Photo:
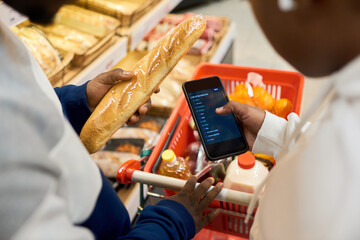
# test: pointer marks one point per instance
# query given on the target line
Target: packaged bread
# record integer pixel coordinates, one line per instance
(69, 39)
(124, 98)
(45, 53)
(114, 8)
(86, 21)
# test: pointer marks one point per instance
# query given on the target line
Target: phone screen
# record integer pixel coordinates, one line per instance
(221, 134)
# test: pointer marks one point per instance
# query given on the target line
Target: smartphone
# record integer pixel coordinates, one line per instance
(221, 135)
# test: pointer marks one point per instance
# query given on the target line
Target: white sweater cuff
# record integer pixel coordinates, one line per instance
(271, 136)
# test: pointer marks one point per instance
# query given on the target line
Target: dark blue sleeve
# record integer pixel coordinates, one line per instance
(167, 220)
(110, 219)
(74, 104)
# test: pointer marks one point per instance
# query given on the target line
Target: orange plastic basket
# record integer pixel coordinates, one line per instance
(177, 133)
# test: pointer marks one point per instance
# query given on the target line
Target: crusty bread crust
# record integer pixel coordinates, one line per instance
(124, 98)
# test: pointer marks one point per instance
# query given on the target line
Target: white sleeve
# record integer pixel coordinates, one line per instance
(274, 133)
(32, 205)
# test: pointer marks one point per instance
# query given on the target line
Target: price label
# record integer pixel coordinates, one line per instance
(9, 16)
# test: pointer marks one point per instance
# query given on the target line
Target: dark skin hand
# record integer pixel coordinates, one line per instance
(99, 86)
(197, 200)
(251, 118)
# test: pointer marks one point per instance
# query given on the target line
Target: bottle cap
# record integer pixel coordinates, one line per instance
(246, 160)
(168, 155)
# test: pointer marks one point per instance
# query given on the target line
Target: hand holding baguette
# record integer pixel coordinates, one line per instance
(124, 98)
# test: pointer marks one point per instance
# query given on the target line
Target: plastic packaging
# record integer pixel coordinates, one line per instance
(44, 52)
(245, 173)
(69, 39)
(86, 21)
(173, 166)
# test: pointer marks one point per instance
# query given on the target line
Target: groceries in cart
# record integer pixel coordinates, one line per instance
(174, 166)
(242, 173)
(253, 92)
(245, 173)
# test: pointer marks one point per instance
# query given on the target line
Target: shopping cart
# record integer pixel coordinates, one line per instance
(177, 134)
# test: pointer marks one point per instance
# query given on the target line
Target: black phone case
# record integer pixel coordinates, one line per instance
(198, 127)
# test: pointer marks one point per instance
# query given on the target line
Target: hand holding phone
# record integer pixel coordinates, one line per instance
(251, 118)
(221, 135)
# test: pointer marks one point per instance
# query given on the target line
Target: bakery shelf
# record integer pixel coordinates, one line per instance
(147, 22)
(103, 63)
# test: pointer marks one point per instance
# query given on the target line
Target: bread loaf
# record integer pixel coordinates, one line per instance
(124, 98)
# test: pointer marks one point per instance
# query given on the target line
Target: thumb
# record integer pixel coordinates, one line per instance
(115, 76)
(232, 106)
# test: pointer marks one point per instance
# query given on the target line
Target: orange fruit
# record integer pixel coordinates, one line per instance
(265, 101)
(241, 91)
(258, 91)
(283, 107)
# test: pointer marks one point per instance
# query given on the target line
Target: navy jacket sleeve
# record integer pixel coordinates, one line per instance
(167, 220)
(74, 104)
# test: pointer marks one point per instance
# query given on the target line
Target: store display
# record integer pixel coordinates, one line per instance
(127, 11)
(86, 21)
(69, 39)
(245, 173)
(116, 107)
(174, 166)
(164, 102)
(201, 47)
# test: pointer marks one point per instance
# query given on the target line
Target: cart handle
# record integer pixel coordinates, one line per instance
(130, 172)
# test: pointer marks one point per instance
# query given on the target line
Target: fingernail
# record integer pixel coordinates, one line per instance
(126, 73)
(219, 186)
(220, 108)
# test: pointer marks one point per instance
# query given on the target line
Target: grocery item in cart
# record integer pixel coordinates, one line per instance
(45, 53)
(253, 92)
(282, 107)
(174, 166)
(125, 98)
(69, 39)
(86, 21)
(245, 173)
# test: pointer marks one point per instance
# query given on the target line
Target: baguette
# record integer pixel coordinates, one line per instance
(124, 98)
